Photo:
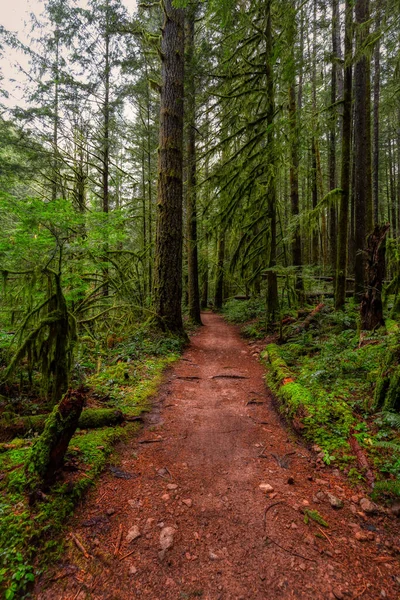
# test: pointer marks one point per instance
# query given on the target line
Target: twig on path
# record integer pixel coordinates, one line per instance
(253, 401)
(262, 455)
(290, 551)
(150, 441)
(77, 593)
(79, 545)
(119, 539)
(102, 497)
(360, 593)
(268, 508)
(324, 534)
(268, 537)
(126, 555)
(284, 464)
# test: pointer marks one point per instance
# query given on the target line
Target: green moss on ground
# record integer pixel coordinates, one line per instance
(328, 382)
(125, 386)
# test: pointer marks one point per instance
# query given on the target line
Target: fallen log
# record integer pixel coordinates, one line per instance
(91, 418)
(313, 295)
(308, 320)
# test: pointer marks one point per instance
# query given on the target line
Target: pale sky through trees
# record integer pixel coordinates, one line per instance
(15, 17)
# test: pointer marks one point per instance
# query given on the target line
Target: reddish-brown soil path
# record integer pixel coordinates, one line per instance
(215, 438)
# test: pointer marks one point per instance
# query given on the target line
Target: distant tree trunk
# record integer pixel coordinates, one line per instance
(341, 268)
(371, 305)
(314, 172)
(392, 189)
(219, 281)
(167, 288)
(272, 280)
(362, 145)
(106, 141)
(294, 163)
(191, 226)
(56, 165)
(204, 279)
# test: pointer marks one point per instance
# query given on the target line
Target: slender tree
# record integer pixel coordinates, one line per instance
(342, 246)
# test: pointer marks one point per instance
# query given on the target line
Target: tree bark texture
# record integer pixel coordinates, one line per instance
(219, 281)
(362, 144)
(371, 305)
(272, 280)
(167, 290)
(342, 245)
(191, 225)
(294, 162)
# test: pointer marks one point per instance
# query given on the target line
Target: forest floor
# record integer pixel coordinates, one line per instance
(201, 525)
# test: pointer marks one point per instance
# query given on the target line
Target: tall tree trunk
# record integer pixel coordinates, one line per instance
(56, 165)
(377, 83)
(272, 280)
(191, 225)
(314, 172)
(341, 268)
(106, 141)
(362, 145)
(332, 133)
(167, 290)
(294, 162)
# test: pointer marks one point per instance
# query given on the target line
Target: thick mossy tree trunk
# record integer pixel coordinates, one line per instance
(272, 279)
(362, 145)
(167, 290)
(191, 227)
(371, 305)
(47, 454)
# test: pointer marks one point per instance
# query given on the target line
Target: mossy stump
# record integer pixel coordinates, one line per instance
(48, 452)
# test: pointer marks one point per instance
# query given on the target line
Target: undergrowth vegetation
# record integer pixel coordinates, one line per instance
(121, 375)
(327, 378)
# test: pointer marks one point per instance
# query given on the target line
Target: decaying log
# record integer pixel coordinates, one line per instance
(308, 320)
(91, 418)
(48, 452)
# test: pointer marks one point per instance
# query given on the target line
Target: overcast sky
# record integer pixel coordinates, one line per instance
(15, 17)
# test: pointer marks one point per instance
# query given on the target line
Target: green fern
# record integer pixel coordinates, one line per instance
(395, 447)
(392, 419)
(387, 487)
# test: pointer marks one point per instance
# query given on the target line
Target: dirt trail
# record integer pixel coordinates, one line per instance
(201, 475)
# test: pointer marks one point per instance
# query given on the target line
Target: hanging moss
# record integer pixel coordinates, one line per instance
(50, 344)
